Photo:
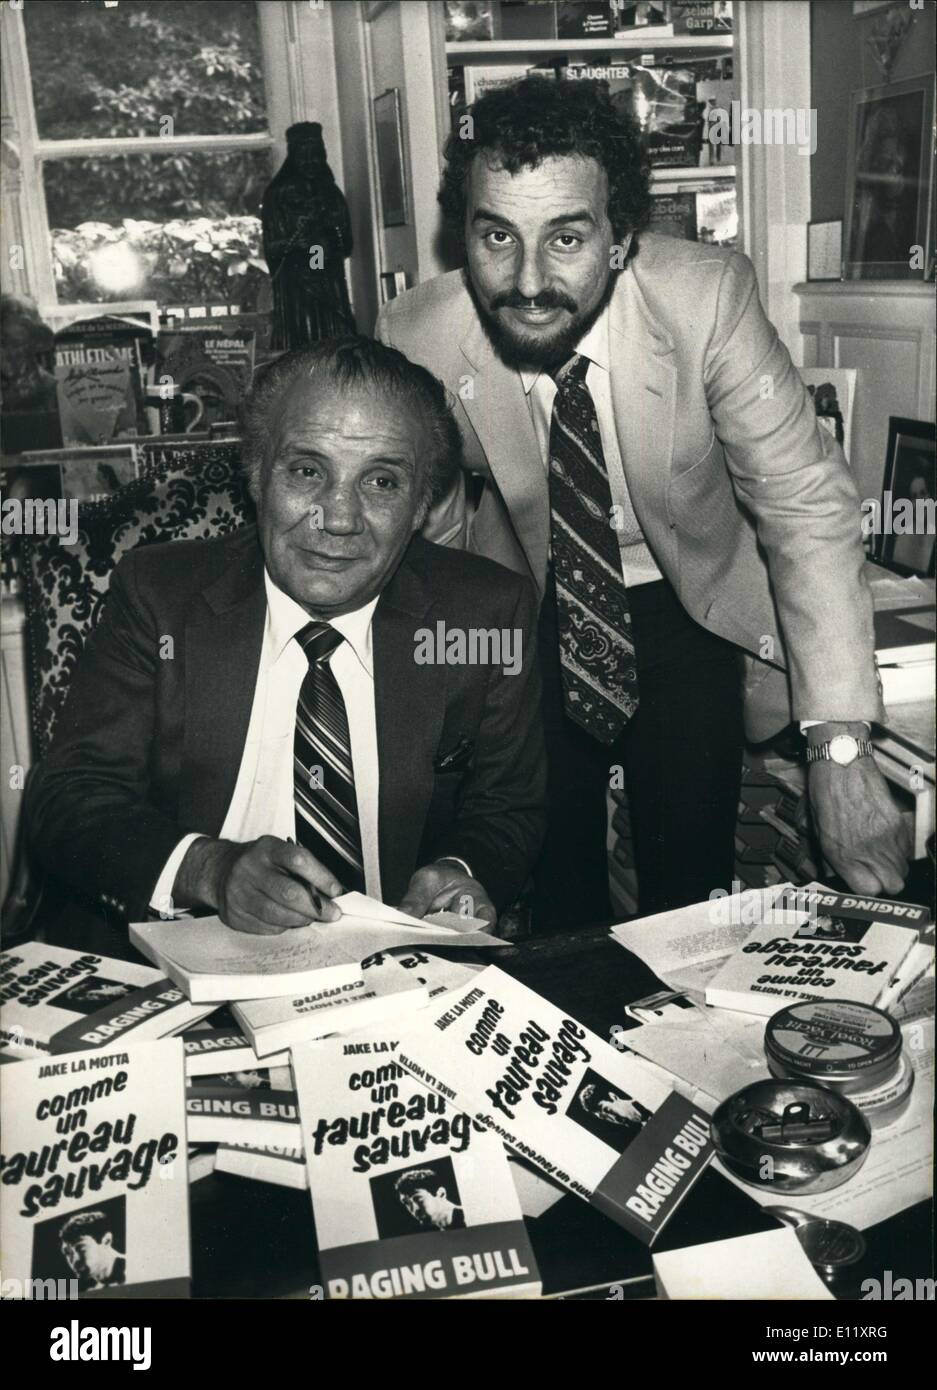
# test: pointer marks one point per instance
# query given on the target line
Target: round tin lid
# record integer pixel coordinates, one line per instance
(833, 1039)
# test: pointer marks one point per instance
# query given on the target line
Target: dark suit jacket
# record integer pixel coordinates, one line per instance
(149, 743)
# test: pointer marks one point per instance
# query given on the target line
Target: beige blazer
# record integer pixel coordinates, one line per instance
(747, 504)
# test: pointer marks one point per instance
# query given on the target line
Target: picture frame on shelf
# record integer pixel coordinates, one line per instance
(889, 178)
(388, 142)
(910, 476)
(825, 250)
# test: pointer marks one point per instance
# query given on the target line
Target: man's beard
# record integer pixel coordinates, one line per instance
(540, 352)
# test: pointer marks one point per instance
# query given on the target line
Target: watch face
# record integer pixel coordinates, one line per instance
(843, 749)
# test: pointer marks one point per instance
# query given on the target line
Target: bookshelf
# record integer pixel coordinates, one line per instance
(705, 217)
(639, 43)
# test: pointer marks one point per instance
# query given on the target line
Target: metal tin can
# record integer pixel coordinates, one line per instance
(851, 1048)
(790, 1136)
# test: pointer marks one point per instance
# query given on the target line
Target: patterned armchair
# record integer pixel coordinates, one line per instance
(185, 491)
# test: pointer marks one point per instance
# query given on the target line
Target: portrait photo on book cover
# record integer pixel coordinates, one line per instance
(244, 1080)
(88, 1245)
(606, 1111)
(825, 928)
(93, 993)
(421, 1197)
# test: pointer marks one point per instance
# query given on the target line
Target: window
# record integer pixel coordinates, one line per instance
(145, 147)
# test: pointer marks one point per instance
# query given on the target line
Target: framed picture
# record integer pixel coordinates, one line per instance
(905, 537)
(388, 138)
(888, 181)
(825, 250)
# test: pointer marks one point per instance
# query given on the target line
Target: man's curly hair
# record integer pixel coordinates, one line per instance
(519, 126)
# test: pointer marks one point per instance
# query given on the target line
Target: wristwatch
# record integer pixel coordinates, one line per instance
(843, 749)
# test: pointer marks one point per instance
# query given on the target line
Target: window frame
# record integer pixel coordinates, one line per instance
(25, 221)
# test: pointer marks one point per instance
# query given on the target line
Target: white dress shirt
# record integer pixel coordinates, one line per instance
(637, 563)
(262, 803)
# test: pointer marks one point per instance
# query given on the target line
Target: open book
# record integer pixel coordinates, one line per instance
(212, 963)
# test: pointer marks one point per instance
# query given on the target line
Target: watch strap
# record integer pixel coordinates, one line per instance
(821, 752)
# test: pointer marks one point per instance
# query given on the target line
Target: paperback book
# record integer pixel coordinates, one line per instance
(587, 1114)
(411, 1198)
(56, 1000)
(212, 1051)
(280, 1167)
(274, 1024)
(817, 944)
(243, 1107)
(99, 367)
(94, 1194)
(215, 964)
(669, 115)
(701, 16)
(216, 364)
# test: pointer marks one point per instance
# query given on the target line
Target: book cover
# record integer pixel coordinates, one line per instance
(701, 16)
(527, 19)
(406, 967)
(615, 76)
(651, 16)
(665, 107)
(674, 214)
(587, 1114)
(815, 944)
(214, 363)
(95, 1193)
(411, 1198)
(56, 1000)
(200, 1161)
(98, 370)
(212, 1051)
(584, 19)
(481, 79)
(280, 1167)
(256, 1107)
(717, 215)
(273, 1024)
(467, 21)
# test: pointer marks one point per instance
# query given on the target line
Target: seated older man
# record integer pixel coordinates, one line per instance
(322, 702)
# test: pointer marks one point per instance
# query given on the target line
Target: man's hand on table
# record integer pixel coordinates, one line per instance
(863, 835)
(446, 887)
(264, 887)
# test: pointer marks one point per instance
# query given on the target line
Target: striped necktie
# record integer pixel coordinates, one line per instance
(323, 776)
(597, 661)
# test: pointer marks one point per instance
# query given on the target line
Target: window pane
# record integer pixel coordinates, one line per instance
(145, 67)
(177, 228)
